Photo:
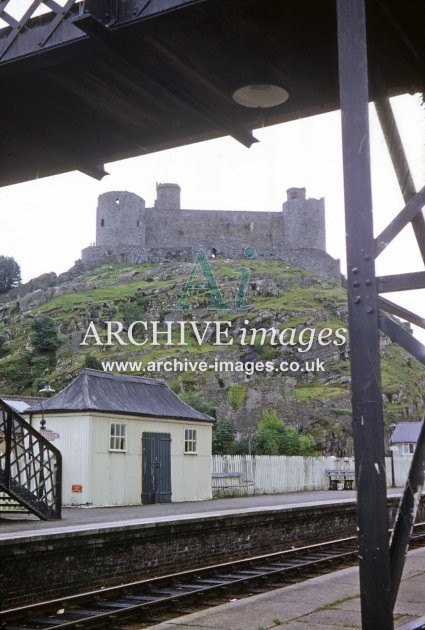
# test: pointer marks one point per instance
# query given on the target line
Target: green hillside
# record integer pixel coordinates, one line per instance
(278, 297)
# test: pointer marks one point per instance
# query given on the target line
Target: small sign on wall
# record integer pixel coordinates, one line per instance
(77, 487)
(49, 435)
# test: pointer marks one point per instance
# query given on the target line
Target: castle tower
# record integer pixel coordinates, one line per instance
(167, 197)
(303, 221)
(120, 219)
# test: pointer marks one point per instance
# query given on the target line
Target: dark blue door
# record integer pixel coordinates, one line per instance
(156, 468)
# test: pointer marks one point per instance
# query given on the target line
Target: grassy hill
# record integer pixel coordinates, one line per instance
(278, 296)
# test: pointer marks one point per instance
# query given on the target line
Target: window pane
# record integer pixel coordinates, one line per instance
(190, 440)
(117, 437)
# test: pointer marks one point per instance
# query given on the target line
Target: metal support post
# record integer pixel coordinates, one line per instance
(368, 430)
(406, 514)
(392, 468)
(401, 165)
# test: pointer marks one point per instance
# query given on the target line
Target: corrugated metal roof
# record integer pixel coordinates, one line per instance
(94, 390)
(19, 403)
(406, 432)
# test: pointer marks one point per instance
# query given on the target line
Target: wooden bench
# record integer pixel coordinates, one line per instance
(229, 483)
(337, 477)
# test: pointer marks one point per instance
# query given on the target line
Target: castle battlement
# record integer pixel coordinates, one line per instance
(128, 231)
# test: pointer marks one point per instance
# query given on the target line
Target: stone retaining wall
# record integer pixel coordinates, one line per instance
(45, 566)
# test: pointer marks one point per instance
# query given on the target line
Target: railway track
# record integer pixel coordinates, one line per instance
(157, 599)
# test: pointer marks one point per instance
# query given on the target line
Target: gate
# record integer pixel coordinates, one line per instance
(156, 468)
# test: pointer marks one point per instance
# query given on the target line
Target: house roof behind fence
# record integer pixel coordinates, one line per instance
(19, 403)
(406, 432)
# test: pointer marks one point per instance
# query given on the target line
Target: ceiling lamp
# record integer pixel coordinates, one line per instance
(260, 95)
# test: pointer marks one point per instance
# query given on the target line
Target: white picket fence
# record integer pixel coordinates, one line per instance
(238, 475)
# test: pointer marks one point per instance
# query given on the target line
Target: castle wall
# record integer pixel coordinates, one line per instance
(128, 232)
(99, 255)
(120, 219)
(167, 196)
(304, 221)
(314, 260)
(220, 232)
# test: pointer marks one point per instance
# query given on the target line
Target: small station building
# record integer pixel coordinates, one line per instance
(404, 438)
(126, 440)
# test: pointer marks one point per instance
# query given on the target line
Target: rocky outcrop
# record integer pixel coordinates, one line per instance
(278, 296)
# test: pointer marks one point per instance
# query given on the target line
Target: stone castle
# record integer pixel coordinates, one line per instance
(128, 231)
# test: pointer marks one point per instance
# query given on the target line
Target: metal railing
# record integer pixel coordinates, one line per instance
(16, 19)
(30, 466)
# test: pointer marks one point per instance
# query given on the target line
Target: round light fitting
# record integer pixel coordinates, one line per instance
(260, 95)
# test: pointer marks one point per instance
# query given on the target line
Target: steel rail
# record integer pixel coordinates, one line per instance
(98, 608)
(155, 591)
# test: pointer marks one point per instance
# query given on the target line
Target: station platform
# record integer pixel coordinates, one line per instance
(328, 602)
(86, 518)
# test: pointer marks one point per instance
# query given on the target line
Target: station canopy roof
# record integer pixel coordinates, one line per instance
(92, 82)
(98, 391)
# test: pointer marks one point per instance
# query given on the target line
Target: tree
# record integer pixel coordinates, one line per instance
(18, 373)
(223, 437)
(274, 438)
(3, 340)
(90, 361)
(307, 444)
(270, 434)
(10, 274)
(192, 399)
(133, 311)
(45, 338)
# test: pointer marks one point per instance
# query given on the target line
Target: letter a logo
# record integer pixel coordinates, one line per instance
(210, 285)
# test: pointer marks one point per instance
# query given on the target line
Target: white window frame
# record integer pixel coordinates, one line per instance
(118, 437)
(405, 449)
(190, 441)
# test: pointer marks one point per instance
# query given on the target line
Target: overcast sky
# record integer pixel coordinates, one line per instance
(45, 223)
